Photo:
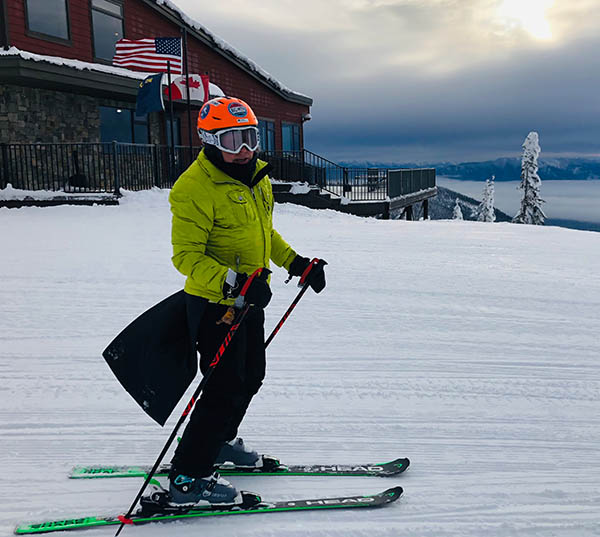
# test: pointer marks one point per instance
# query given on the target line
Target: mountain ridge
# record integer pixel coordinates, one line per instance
(504, 169)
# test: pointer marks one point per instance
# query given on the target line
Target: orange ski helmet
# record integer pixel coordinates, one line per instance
(225, 113)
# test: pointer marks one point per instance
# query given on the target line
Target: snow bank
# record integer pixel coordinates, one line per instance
(11, 193)
(300, 188)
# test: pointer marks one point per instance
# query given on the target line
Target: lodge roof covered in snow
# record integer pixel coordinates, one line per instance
(20, 68)
(49, 71)
(200, 32)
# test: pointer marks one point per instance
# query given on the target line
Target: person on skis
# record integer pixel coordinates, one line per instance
(222, 232)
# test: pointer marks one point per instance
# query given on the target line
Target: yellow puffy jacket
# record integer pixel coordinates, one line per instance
(220, 223)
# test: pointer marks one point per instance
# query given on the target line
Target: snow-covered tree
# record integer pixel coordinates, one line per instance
(485, 211)
(531, 205)
(457, 213)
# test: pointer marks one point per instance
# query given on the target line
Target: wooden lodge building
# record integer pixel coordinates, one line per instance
(57, 82)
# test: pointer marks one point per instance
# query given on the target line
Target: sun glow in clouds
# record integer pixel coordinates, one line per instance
(529, 15)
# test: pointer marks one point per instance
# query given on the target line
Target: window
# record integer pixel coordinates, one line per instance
(48, 17)
(121, 125)
(3, 25)
(107, 27)
(115, 125)
(140, 130)
(176, 131)
(266, 131)
(290, 136)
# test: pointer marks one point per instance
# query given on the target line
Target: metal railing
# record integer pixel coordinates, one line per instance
(91, 167)
(108, 167)
(356, 184)
(410, 181)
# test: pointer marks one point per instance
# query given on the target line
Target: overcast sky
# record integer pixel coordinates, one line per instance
(427, 80)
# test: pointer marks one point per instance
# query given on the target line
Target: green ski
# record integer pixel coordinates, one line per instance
(271, 466)
(141, 517)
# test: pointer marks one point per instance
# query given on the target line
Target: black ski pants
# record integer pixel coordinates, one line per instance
(227, 394)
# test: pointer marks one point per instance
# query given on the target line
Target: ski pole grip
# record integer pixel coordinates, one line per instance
(315, 262)
(261, 273)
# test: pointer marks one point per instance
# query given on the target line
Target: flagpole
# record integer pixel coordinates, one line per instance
(187, 85)
(172, 146)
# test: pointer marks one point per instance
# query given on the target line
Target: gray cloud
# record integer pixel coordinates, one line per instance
(482, 112)
(425, 80)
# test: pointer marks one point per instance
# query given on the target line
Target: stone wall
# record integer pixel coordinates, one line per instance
(32, 115)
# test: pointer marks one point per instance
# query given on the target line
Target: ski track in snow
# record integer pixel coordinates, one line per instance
(470, 348)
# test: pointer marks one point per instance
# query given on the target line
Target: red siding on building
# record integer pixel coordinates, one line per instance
(142, 20)
(80, 47)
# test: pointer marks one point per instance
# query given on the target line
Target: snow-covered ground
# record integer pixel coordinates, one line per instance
(471, 348)
(569, 200)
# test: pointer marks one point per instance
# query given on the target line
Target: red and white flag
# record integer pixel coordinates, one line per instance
(150, 54)
(198, 84)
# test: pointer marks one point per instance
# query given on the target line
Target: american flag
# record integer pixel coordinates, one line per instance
(150, 54)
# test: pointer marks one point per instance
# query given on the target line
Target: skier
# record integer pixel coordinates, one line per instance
(222, 232)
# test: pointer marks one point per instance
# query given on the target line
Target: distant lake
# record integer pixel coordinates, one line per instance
(574, 204)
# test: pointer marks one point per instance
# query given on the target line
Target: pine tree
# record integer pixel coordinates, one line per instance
(531, 205)
(485, 211)
(457, 213)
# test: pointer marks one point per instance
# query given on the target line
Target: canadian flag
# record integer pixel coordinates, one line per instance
(198, 84)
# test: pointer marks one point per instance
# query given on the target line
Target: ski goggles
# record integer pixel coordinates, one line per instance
(232, 140)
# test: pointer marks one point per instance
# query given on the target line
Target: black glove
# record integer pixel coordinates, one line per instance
(316, 276)
(258, 293)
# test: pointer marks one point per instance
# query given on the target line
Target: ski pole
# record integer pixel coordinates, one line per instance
(234, 327)
(304, 285)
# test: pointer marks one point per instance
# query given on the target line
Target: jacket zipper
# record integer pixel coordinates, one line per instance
(262, 227)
